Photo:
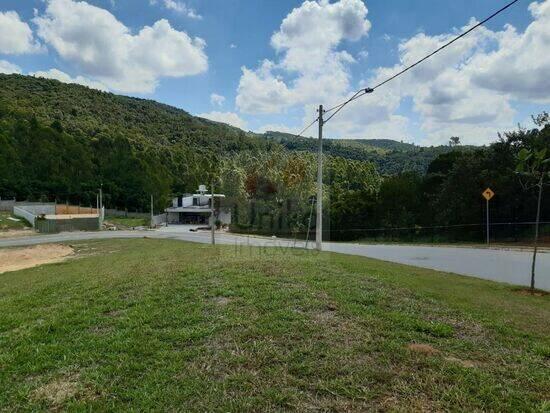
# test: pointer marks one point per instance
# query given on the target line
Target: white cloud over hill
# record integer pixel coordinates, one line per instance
(102, 48)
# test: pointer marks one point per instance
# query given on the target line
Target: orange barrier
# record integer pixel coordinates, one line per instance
(64, 209)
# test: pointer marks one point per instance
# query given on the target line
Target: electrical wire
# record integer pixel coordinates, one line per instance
(306, 128)
(363, 92)
(471, 29)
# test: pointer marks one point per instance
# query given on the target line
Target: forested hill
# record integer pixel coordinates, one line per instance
(91, 112)
(390, 157)
(87, 112)
(64, 141)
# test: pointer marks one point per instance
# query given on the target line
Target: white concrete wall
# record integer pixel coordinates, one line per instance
(38, 209)
(21, 213)
(7, 204)
(158, 219)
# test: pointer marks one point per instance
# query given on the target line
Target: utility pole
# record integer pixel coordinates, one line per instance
(152, 214)
(101, 206)
(212, 219)
(319, 226)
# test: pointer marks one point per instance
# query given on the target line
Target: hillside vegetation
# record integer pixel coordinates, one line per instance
(64, 142)
(59, 140)
(390, 157)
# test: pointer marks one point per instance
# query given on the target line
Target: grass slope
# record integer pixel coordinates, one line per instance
(163, 325)
(128, 222)
(7, 224)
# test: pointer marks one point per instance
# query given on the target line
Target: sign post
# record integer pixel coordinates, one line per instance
(488, 194)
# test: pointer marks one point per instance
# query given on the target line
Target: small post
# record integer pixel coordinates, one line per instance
(487, 222)
(212, 219)
(488, 194)
(152, 214)
(101, 206)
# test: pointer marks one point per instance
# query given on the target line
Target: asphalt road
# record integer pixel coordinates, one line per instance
(510, 266)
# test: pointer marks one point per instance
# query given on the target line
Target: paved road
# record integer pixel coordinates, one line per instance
(511, 266)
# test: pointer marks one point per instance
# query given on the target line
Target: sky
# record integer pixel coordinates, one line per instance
(267, 64)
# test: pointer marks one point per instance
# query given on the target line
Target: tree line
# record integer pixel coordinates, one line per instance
(63, 142)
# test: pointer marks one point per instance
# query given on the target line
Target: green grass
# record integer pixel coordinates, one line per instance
(169, 326)
(7, 224)
(128, 222)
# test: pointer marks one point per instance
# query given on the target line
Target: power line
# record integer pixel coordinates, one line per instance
(307, 127)
(471, 29)
(365, 91)
(356, 96)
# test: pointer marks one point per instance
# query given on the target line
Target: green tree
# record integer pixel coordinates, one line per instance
(533, 163)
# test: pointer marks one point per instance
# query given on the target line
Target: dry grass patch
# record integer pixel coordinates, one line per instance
(60, 390)
(422, 349)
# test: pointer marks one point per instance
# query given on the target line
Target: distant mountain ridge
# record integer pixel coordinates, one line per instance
(382, 145)
(391, 157)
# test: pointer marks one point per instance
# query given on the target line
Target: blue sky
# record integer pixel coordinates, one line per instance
(269, 63)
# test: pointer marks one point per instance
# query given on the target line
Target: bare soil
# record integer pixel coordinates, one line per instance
(13, 259)
(422, 348)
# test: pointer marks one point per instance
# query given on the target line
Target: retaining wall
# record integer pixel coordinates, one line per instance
(37, 208)
(7, 205)
(53, 225)
(22, 213)
(158, 220)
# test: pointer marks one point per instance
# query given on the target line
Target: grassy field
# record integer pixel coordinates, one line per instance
(125, 222)
(7, 224)
(170, 326)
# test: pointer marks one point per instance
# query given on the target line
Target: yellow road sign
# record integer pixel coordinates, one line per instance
(488, 194)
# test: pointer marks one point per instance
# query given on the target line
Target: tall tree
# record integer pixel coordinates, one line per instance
(534, 164)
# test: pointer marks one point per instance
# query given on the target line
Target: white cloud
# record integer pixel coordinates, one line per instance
(469, 89)
(217, 100)
(442, 91)
(16, 36)
(104, 49)
(8, 68)
(520, 66)
(232, 46)
(260, 91)
(307, 42)
(178, 6)
(363, 55)
(225, 117)
(65, 78)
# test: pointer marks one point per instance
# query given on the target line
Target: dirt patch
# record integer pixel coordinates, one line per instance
(464, 363)
(422, 348)
(58, 391)
(113, 313)
(13, 259)
(221, 301)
